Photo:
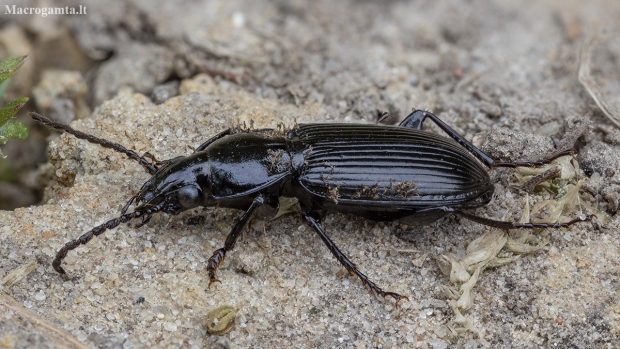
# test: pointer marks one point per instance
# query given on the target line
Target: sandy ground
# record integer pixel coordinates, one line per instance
(503, 75)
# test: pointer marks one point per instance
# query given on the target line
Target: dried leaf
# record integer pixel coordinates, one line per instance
(19, 273)
(585, 78)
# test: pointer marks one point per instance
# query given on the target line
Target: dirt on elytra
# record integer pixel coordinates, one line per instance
(503, 75)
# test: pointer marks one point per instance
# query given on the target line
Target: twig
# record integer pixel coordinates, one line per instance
(586, 80)
(529, 186)
(56, 337)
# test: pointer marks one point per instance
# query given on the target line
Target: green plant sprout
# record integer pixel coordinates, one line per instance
(10, 128)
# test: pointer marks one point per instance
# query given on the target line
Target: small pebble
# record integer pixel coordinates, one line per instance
(40, 296)
(170, 326)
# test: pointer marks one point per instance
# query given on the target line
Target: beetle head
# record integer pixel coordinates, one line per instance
(179, 185)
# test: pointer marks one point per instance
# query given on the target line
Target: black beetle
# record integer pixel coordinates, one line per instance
(383, 173)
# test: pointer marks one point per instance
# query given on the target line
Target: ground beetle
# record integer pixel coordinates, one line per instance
(380, 172)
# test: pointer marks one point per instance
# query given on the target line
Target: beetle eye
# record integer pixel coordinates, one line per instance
(189, 197)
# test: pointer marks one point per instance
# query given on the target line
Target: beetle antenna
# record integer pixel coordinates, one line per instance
(150, 168)
(98, 230)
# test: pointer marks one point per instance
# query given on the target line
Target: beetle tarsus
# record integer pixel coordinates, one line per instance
(398, 298)
(214, 262)
(212, 281)
(220, 254)
(350, 266)
(595, 225)
(514, 225)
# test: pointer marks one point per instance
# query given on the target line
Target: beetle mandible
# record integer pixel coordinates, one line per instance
(381, 172)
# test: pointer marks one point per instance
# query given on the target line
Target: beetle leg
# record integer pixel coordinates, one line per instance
(145, 219)
(417, 117)
(384, 116)
(266, 205)
(126, 207)
(514, 225)
(153, 159)
(414, 120)
(316, 225)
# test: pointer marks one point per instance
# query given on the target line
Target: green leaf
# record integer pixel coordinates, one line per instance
(11, 108)
(11, 129)
(9, 66)
(4, 86)
(14, 129)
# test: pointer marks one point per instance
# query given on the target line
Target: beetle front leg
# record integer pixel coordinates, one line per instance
(265, 206)
(314, 222)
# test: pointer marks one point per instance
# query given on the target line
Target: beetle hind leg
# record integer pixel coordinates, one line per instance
(417, 117)
(514, 225)
(350, 266)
